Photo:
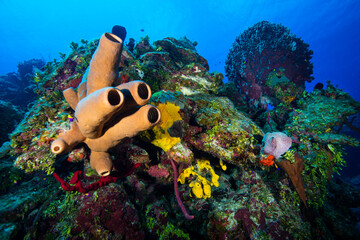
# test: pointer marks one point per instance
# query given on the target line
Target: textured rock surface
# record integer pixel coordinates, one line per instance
(251, 201)
(268, 63)
(10, 116)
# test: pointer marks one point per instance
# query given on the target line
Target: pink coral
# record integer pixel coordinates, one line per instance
(158, 172)
(109, 210)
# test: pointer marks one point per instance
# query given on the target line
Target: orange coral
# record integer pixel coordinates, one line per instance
(268, 161)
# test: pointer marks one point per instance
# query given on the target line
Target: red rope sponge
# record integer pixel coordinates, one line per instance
(76, 179)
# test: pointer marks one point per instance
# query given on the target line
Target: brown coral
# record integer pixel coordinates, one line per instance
(294, 172)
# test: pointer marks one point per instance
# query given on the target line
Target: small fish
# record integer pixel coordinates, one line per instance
(70, 118)
(142, 30)
(276, 166)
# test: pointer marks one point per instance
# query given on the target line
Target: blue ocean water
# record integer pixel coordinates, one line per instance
(42, 29)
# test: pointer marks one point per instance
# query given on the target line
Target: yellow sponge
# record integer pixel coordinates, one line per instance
(169, 114)
(200, 187)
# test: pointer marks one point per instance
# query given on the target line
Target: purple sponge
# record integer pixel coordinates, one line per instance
(276, 144)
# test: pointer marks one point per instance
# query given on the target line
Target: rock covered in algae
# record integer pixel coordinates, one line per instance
(106, 213)
(226, 132)
(321, 113)
(175, 65)
(213, 125)
(251, 201)
(247, 208)
(10, 117)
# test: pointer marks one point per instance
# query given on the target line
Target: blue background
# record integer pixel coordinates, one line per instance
(41, 29)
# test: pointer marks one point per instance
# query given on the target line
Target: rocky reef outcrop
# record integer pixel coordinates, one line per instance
(269, 64)
(10, 115)
(201, 173)
(18, 87)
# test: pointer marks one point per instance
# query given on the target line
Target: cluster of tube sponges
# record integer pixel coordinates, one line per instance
(105, 115)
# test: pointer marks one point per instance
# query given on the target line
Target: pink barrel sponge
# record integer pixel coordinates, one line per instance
(276, 144)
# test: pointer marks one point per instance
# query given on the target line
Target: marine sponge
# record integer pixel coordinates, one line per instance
(200, 186)
(276, 144)
(169, 115)
(105, 115)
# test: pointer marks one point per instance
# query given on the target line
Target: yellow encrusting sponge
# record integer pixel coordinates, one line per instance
(200, 186)
(169, 115)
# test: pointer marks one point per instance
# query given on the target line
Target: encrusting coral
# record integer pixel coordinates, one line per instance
(105, 115)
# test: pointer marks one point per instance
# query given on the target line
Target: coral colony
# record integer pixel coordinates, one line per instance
(120, 126)
(268, 64)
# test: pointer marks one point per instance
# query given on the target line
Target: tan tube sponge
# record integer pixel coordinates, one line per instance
(101, 162)
(139, 92)
(71, 97)
(93, 111)
(127, 126)
(105, 115)
(104, 64)
(65, 142)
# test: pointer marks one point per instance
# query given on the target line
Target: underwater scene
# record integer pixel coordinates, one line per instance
(177, 119)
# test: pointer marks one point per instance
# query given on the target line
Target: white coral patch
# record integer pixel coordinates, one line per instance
(202, 81)
(188, 91)
(140, 73)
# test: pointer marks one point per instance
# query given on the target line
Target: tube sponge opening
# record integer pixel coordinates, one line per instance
(93, 111)
(113, 97)
(59, 146)
(153, 115)
(113, 37)
(143, 91)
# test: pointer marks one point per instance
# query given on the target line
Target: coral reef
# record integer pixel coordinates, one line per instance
(10, 117)
(17, 88)
(239, 181)
(269, 64)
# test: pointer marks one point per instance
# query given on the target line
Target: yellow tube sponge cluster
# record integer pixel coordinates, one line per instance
(169, 115)
(200, 186)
